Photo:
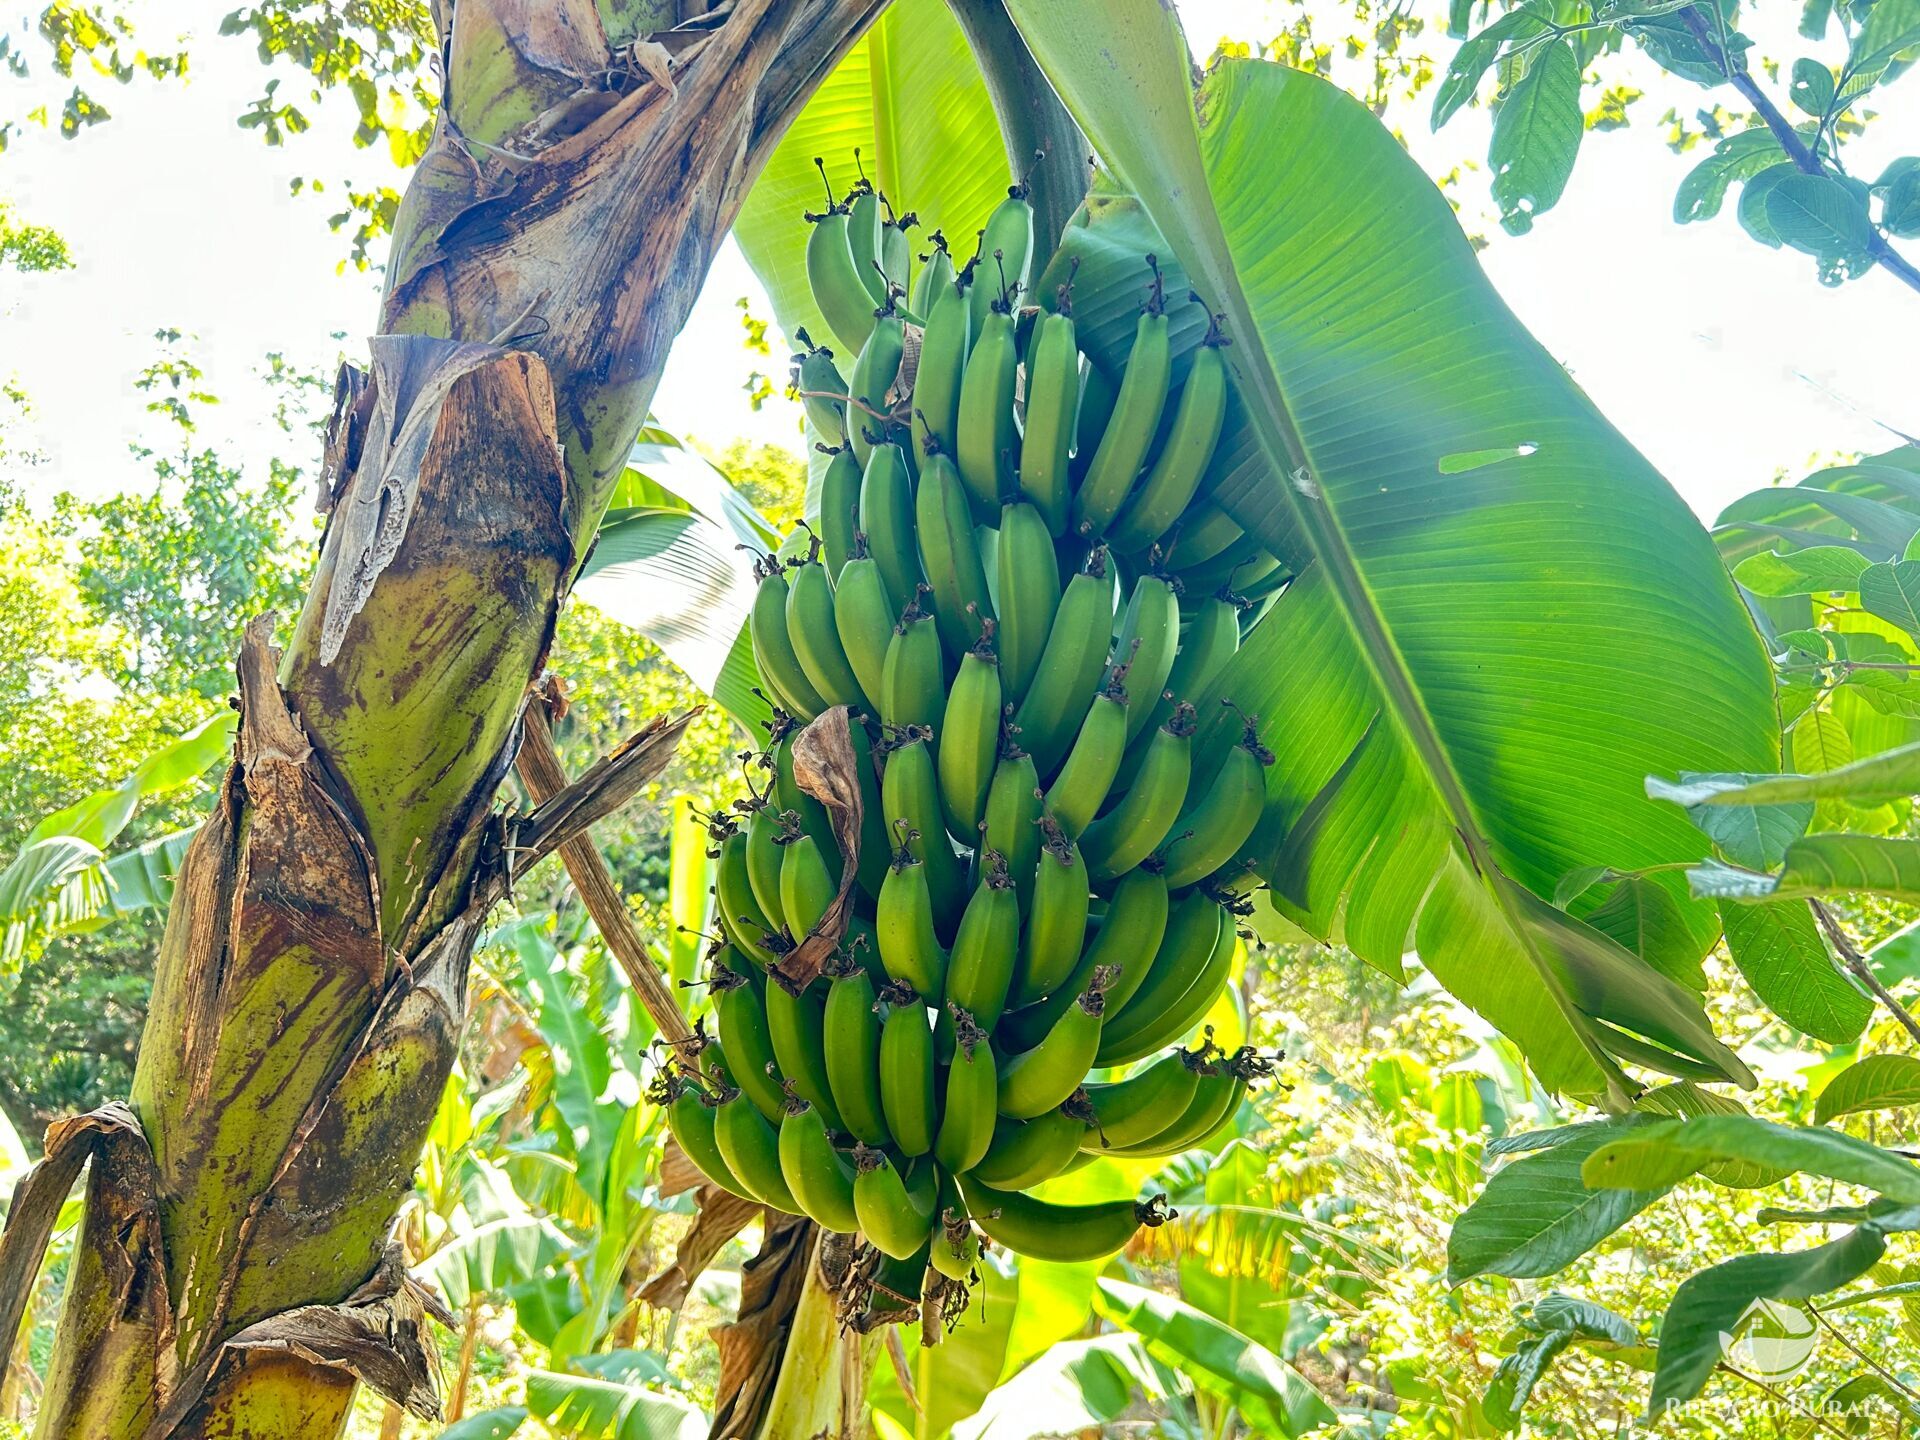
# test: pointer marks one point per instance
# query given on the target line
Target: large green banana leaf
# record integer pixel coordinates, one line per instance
(1507, 618)
(910, 98)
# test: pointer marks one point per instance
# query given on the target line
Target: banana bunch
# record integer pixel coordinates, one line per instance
(1017, 589)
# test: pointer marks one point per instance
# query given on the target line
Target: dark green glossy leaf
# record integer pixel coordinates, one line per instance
(1779, 949)
(496, 1424)
(1667, 1153)
(1756, 836)
(1812, 87)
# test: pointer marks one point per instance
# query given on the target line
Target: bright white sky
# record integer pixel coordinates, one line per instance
(1722, 360)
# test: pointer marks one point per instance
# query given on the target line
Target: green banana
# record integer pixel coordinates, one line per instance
(1239, 568)
(1128, 834)
(1136, 418)
(773, 649)
(986, 445)
(750, 1146)
(863, 617)
(910, 796)
(1098, 395)
(815, 637)
(1044, 1230)
(1081, 787)
(1219, 820)
(1070, 667)
(956, 1245)
(871, 871)
(864, 237)
(1149, 640)
(738, 912)
(895, 1212)
(980, 967)
(1209, 637)
(1187, 974)
(690, 1115)
(1026, 1152)
(1006, 242)
(1053, 398)
(896, 251)
(950, 556)
(1012, 823)
(966, 1119)
(767, 829)
(741, 1019)
(906, 1070)
(832, 275)
(819, 1178)
(1129, 938)
(892, 1293)
(796, 1018)
(1028, 597)
(913, 678)
(839, 507)
(886, 517)
(941, 372)
(810, 814)
(1137, 1108)
(1056, 919)
(874, 371)
(1221, 1088)
(903, 925)
(807, 885)
(934, 278)
(969, 736)
(822, 391)
(1035, 1081)
(851, 1030)
(1162, 497)
(1205, 531)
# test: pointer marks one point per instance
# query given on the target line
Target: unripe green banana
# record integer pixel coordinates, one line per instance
(980, 968)
(986, 446)
(1035, 1081)
(1136, 418)
(852, 1032)
(767, 830)
(822, 390)
(874, 849)
(1175, 476)
(1238, 568)
(1006, 252)
(886, 518)
(1205, 531)
(969, 737)
(816, 638)
(796, 1020)
(906, 1071)
(1098, 395)
(1218, 822)
(941, 372)
(1129, 937)
(773, 649)
(1056, 920)
(1012, 819)
(741, 1019)
(807, 885)
(1070, 667)
(934, 277)
(874, 372)
(690, 1116)
(913, 678)
(1026, 1152)
(1053, 399)
(863, 235)
(750, 1146)
(1209, 638)
(864, 619)
(1128, 834)
(903, 925)
(832, 275)
(738, 912)
(950, 556)
(839, 510)
(1028, 595)
(895, 1212)
(1217, 1095)
(910, 796)
(818, 1176)
(966, 1120)
(1081, 787)
(1149, 640)
(896, 252)
(956, 1246)
(1139, 1107)
(787, 791)
(1177, 994)
(1070, 1234)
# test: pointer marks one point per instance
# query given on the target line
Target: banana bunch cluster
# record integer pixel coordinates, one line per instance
(1005, 590)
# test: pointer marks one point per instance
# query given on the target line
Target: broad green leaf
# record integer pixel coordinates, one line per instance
(1474, 58)
(1900, 201)
(1536, 136)
(1075, 1385)
(1816, 570)
(1779, 950)
(1812, 87)
(582, 1060)
(1683, 1100)
(1753, 835)
(105, 813)
(1879, 1082)
(909, 96)
(1429, 703)
(1892, 591)
(1270, 1394)
(585, 1407)
(487, 1260)
(62, 885)
(1554, 1323)
(496, 1424)
(1850, 864)
(1536, 1215)
(1738, 157)
(689, 890)
(1668, 1152)
(1708, 1307)
(1861, 1397)
(1891, 775)
(1891, 28)
(1820, 743)
(1641, 915)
